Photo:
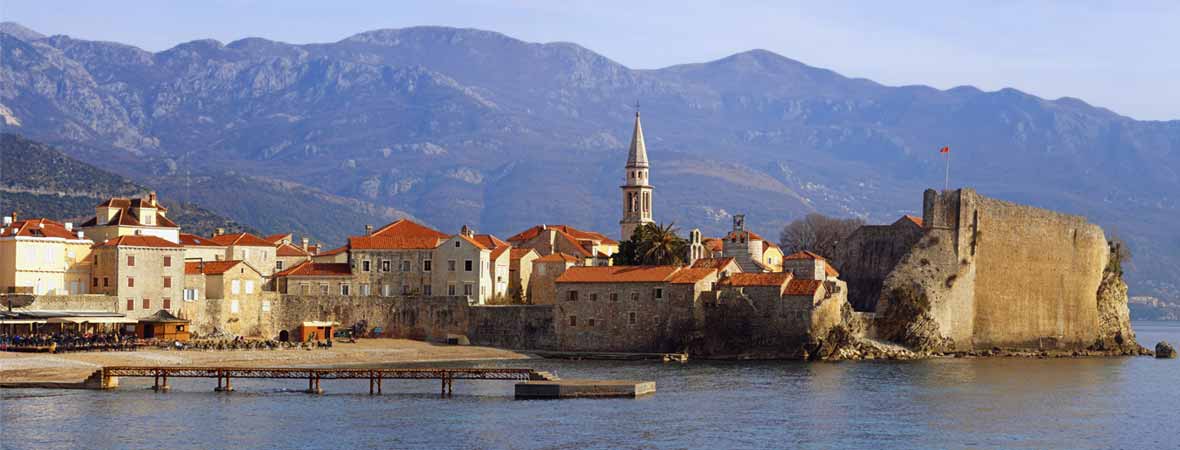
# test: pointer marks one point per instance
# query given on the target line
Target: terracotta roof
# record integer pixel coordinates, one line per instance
(276, 238)
(714, 263)
(714, 244)
(313, 249)
(915, 219)
(138, 241)
(41, 228)
(757, 279)
(192, 239)
(241, 239)
(691, 275)
(830, 271)
(125, 218)
(517, 253)
(209, 267)
(802, 287)
(750, 235)
(314, 269)
(408, 228)
(394, 242)
(289, 250)
(557, 257)
(335, 251)
(617, 274)
(803, 255)
(497, 246)
(121, 202)
(767, 245)
(566, 229)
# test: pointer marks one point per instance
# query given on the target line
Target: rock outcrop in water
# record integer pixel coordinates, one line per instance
(1164, 350)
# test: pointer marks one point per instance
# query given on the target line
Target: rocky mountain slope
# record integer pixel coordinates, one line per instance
(460, 126)
(39, 181)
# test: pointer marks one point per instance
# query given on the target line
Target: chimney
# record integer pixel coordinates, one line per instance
(69, 226)
(368, 230)
(218, 232)
(465, 231)
(81, 235)
(152, 198)
(544, 227)
(13, 218)
(305, 241)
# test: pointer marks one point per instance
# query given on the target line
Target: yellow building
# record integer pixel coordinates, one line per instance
(43, 257)
(131, 217)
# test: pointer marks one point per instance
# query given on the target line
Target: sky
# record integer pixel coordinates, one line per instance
(1121, 55)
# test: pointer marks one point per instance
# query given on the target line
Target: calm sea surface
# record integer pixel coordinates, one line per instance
(1028, 403)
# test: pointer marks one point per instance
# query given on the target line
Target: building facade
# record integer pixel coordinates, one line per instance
(43, 257)
(131, 217)
(146, 273)
(636, 189)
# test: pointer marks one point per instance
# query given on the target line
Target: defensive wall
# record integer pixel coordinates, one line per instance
(866, 257)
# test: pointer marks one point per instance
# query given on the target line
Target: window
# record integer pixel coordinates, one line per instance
(234, 306)
(249, 286)
(167, 303)
(130, 260)
(659, 293)
(614, 296)
(405, 289)
(631, 318)
(147, 303)
(426, 266)
(427, 290)
(235, 286)
(593, 298)
(590, 323)
(385, 266)
(131, 304)
(167, 283)
(385, 290)
(324, 289)
(451, 265)
(634, 296)
(344, 289)
(95, 284)
(167, 263)
(573, 321)
(467, 265)
(467, 289)
(365, 266)
(278, 265)
(451, 289)
(266, 306)
(130, 282)
(406, 265)
(106, 282)
(456, 244)
(365, 289)
(571, 296)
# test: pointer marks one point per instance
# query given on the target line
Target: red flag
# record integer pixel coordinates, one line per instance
(944, 150)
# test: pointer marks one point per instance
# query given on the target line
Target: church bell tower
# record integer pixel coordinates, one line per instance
(636, 190)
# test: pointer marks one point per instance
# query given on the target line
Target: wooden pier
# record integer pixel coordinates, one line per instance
(226, 375)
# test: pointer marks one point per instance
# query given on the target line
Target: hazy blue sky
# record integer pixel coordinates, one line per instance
(1121, 55)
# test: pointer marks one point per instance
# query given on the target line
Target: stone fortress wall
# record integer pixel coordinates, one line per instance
(989, 273)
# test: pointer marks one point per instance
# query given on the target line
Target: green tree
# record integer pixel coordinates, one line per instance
(651, 245)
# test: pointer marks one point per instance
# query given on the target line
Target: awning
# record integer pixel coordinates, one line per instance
(92, 320)
(21, 321)
(319, 324)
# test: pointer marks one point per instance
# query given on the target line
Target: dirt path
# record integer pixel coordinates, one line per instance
(68, 367)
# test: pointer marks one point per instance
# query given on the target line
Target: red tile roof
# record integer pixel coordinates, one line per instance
(691, 275)
(276, 238)
(497, 246)
(124, 203)
(393, 242)
(714, 244)
(39, 227)
(314, 269)
(557, 257)
(335, 251)
(288, 250)
(750, 235)
(757, 279)
(802, 287)
(829, 270)
(566, 229)
(617, 274)
(409, 228)
(210, 267)
(915, 219)
(767, 245)
(138, 241)
(803, 255)
(714, 263)
(517, 253)
(125, 218)
(194, 240)
(241, 239)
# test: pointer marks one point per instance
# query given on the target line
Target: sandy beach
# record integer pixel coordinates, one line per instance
(72, 367)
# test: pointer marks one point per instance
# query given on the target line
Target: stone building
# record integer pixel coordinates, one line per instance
(338, 255)
(520, 271)
(131, 217)
(247, 247)
(288, 255)
(869, 253)
(197, 248)
(543, 282)
(591, 248)
(223, 295)
(501, 263)
(630, 308)
(146, 273)
(637, 190)
(397, 259)
(464, 268)
(43, 257)
(312, 278)
(752, 252)
(725, 266)
(809, 266)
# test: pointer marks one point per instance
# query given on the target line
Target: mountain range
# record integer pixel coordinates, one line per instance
(461, 126)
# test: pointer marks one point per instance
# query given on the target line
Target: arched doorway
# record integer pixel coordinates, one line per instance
(284, 336)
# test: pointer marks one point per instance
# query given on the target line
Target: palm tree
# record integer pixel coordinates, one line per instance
(651, 245)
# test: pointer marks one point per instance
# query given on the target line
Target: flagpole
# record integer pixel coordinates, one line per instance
(946, 184)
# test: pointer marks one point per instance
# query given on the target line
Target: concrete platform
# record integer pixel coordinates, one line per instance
(584, 389)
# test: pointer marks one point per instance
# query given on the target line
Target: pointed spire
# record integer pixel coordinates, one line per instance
(638, 155)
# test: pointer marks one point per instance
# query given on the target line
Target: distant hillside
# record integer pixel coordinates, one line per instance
(463, 126)
(39, 181)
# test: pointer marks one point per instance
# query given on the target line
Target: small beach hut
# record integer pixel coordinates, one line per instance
(162, 325)
(315, 330)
